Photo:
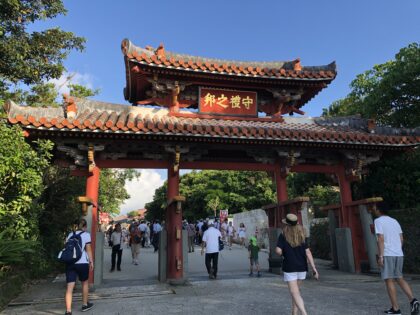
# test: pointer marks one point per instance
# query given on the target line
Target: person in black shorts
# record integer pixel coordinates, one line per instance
(80, 268)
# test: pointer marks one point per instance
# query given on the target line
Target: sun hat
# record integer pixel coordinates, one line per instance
(291, 219)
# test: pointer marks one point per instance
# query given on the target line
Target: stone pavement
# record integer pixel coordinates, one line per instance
(135, 291)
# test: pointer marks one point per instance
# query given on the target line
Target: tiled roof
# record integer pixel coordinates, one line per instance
(99, 117)
(272, 70)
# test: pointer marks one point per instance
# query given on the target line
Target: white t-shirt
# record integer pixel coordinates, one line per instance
(85, 240)
(230, 230)
(391, 230)
(116, 238)
(211, 237)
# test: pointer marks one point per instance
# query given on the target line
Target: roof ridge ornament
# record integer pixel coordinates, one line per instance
(69, 106)
(160, 52)
(296, 65)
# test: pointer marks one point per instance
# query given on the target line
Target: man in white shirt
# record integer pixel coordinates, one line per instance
(391, 258)
(211, 242)
(143, 228)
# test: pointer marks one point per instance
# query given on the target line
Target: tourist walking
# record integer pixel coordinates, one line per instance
(211, 239)
(191, 235)
(200, 231)
(253, 250)
(223, 230)
(117, 247)
(242, 234)
(292, 245)
(147, 235)
(135, 243)
(143, 229)
(231, 234)
(157, 228)
(391, 258)
(80, 269)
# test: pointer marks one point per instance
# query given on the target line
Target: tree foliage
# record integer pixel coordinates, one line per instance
(112, 192)
(21, 170)
(236, 191)
(31, 58)
(388, 93)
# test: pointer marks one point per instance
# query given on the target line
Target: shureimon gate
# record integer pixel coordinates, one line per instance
(188, 112)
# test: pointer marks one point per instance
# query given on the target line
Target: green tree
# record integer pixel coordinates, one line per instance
(390, 94)
(21, 170)
(31, 58)
(112, 192)
(132, 214)
(236, 191)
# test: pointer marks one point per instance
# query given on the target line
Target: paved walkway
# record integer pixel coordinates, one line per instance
(135, 290)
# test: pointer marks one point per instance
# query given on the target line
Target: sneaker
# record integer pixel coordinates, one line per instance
(111, 270)
(415, 307)
(392, 311)
(87, 307)
(250, 274)
(67, 313)
(259, 274)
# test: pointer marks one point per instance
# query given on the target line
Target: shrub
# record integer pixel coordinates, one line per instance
(409, 220)
(319, 239)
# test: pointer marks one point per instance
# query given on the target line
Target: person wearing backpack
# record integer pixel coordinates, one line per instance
(135, 240)
(80, 268)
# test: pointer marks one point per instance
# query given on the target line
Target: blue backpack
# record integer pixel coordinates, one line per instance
(72, 251)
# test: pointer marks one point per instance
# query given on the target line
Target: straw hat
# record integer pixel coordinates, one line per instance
(291, 219)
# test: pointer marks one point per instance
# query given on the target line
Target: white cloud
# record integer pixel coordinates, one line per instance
(62, 83)
(142, 190)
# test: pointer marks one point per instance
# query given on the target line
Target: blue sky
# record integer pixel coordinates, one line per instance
(356, 34)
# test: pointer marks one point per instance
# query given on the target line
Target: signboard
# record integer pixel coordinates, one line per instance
(223, 215)
(228, 102)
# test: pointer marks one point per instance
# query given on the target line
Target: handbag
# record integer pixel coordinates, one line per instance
(221, 244)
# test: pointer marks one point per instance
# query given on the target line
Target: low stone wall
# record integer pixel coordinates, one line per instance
(256, 223)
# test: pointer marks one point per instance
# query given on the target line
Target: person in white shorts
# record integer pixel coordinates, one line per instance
(391, 258)
(292, 245)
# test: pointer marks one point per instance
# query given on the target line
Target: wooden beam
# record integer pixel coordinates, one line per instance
(232, 166)
(133, 164)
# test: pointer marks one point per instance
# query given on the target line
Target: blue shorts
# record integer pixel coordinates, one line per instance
(74, 270)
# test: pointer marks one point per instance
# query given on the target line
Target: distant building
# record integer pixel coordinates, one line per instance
(123, 218)
(141, 214)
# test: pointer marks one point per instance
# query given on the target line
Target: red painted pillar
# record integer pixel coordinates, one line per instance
(92, 191)
(347, 216)
(174, 229)
(281, 188)
(346, 198)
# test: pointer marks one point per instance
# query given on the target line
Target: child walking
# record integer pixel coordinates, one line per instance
(253, 250)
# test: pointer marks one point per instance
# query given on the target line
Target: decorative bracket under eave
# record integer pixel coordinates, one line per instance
(91, 158)
(355, 163)
(177, 150)
(287, 161)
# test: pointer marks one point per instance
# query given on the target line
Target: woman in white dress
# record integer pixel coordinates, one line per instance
(242, 234)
